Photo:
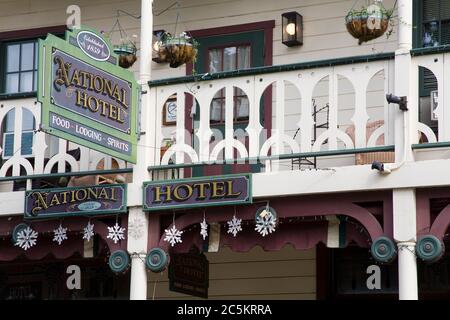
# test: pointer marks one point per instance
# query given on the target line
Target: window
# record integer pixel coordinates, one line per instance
(20, 66)
(435, 23)
(28, 125)
(229, 59)
(19, 60)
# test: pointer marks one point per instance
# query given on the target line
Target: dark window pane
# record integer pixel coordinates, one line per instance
(445, 32)
(431, 34)
(27, 143)
(445, 10)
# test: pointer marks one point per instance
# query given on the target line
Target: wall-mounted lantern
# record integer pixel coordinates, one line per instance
(292, 24)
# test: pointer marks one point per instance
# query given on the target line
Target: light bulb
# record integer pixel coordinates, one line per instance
(290, 29)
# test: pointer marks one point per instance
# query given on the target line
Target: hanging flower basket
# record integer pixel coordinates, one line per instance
(176, 51)
(368, 23)
(126, 53)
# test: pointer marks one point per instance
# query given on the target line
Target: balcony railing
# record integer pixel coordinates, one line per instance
(308, 115)
(351, 91)
(50, 155)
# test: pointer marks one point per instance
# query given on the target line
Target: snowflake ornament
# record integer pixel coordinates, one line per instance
(60, 234)
(116, 233)
(266, 224)
(26, 238)
(88, 231)
(173, 235)
(136, 228)
(234, 226)
(204, 229)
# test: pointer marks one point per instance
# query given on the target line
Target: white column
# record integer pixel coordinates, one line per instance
(405, 15)
(407, 274)
(404, 200)
(137, 246)
(405, 75)
(404, 210)
(138, 282)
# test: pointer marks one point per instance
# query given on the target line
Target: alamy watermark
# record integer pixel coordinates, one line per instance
(374, 280)
(74, 279)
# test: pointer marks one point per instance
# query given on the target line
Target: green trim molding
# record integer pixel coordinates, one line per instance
(276, 157)
(273, 69)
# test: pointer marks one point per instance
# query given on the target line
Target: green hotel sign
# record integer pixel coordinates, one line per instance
(86, 97)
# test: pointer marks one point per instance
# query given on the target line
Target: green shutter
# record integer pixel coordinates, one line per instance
(431, 10)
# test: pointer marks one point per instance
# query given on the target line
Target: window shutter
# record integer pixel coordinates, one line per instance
(429, 80)
(27, 143)
(445, 32)
(430, 10)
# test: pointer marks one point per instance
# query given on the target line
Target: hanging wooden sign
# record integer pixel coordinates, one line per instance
(189, 273)
(86, 97)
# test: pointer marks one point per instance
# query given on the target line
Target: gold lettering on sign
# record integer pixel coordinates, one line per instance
(45, 200)
(218, 186)
(159, 193)
(177, 195)
(201, 189)
(230, 190)
(84, 81)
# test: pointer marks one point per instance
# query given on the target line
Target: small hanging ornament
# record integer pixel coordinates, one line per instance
(59, 234)
(136, 228)
(234, 225)
(26, 238)
(173, 235)
(204, 228)
(116, 233)
(266, 220)
(88, 231)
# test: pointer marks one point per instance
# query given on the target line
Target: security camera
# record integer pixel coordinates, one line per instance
(401, 101)
(380, 167)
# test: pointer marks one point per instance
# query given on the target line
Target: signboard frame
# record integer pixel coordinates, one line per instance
(122, 209)
(121, 144)
(247, 200)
